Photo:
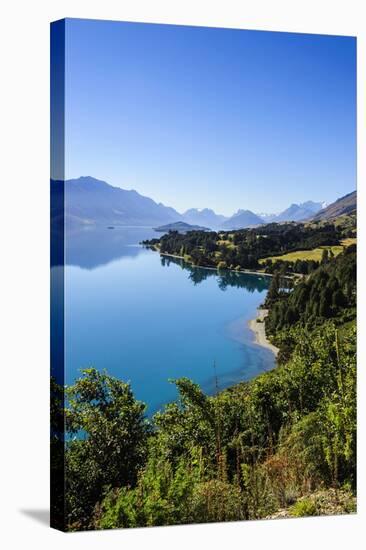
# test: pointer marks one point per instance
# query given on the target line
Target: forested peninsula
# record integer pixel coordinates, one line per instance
(280, 445)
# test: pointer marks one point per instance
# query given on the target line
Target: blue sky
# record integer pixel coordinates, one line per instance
(219, 118)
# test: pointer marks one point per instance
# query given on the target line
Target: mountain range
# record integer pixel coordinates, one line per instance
(295, 212)
(344, 205)
(89, 201)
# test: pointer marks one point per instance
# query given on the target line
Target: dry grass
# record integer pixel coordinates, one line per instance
(226, 243)
(349, 241)
(315, 254)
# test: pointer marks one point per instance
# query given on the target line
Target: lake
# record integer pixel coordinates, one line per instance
(147, 319)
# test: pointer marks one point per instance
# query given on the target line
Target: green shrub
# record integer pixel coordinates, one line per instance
(303, 508)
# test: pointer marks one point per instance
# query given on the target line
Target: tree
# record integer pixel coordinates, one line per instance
(110, 446)
(338, 298)
(273, 291)
(325, 256)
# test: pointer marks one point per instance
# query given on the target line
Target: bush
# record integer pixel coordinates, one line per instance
(304, 507)
(216, 500)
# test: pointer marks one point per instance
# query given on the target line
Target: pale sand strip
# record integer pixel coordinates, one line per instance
(259, 331)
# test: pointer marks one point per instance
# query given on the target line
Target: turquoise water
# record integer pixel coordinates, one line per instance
(147, 319)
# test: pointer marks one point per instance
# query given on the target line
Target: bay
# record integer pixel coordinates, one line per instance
(148, 319)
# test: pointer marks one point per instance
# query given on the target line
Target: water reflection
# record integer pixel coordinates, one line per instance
(225, 278)
(94, 247)
(90, 248)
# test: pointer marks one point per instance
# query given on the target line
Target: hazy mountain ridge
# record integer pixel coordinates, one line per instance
(295, 212)
(206, 216)
(298, 212)
(242, 219)
(93, 202)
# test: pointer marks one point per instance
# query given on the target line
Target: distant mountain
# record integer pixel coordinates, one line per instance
(313, 206)
(242, 219)
(181, 227)
(206, 216)
(89, 201)
(299, 212)
(344, 205)
(295, 212)
(267, 218)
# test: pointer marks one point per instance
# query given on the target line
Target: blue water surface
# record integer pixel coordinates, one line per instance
(148, 319)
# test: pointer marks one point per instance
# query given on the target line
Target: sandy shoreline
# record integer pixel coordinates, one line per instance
(259, 331)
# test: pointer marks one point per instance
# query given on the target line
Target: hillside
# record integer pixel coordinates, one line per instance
(89, 201)
(342, 206)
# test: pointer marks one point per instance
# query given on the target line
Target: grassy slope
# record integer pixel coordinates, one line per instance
(315, 254)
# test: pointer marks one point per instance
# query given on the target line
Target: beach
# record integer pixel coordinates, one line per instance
(259, 331)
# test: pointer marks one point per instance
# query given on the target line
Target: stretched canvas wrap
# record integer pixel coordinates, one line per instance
(203, 275)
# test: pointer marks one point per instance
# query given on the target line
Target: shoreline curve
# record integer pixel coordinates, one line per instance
(258, 328)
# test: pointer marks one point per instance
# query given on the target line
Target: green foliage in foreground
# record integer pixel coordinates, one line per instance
(241, 454)
(324, 502)
(305, 507)
(111, 443)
